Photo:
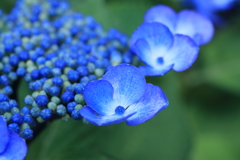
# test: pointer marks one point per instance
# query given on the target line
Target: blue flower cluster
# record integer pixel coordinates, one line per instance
(57, 51)
(12, 146)
(167, 40)
(19, 120)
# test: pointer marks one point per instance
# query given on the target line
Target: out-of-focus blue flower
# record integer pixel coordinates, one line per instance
(12, 146)
(186, 22)
(162, 51)
(122, 95)
(210, 7)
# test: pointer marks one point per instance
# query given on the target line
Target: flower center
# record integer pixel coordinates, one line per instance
(160, 60)
(119, 110)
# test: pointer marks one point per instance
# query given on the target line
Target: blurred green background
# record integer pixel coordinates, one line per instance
(202, 121)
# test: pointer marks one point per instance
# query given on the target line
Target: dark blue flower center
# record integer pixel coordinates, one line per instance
(160, 60)
(119, 110)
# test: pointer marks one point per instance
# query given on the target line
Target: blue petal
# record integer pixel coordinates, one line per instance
(213, 5)
(16, 148)
(128, 83)
(223, 4)
(162, 14)
(99, 120)
(160, 71)
(153, 102)
(156, 34)
(143, 51)
(99, 96)
(183, 53)
(3, 134)
(151, 41)
(195, 26)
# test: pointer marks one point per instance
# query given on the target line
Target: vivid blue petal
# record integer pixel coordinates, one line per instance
(16, 148)
(213, 5)
(183, 53)
(148, 31)
(162, 14)
(160, 71)
(128, 83)
(153, 101)
(99, 120)
(4, 135)
(99, 96)
(222, 4)
(151, 41)
(143, 51)
(195, 26)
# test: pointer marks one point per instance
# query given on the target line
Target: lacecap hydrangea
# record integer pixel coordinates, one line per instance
(75, 69)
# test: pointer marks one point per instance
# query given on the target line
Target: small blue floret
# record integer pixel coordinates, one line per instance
(54, 91)
(3, 97)
(71, 106)
(35, 112)
(17, 118)
(29, 120)
(28, 100)
(73, 75)
(23, 55)
(46, 114)
(42, 100)
(21, 71)
(25, 110)
(5, 107)
(45, 71)
(61, 110)
(13, 103)
(13, 127)
(58, 81)
(27, 133)
(76, 115)
(67, 97)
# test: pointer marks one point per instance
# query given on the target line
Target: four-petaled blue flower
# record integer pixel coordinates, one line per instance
(12, 146)
(122, 95)
(186, 22)
(162, 51)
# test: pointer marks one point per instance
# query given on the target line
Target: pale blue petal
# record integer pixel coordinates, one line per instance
(99, 96)
(16, 148)
(162, 14)
(183, 53)
(153, 101)
(160, 71)
(155, 34)
(99, 120)
(143, 51)
(4, 135)
(196, 26)
(151, 41)
(128, 83)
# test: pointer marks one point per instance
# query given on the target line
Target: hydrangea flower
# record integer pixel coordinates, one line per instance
(122, 95)
(210, 8)
(12, 146)
(162, 51)
(186, 22)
